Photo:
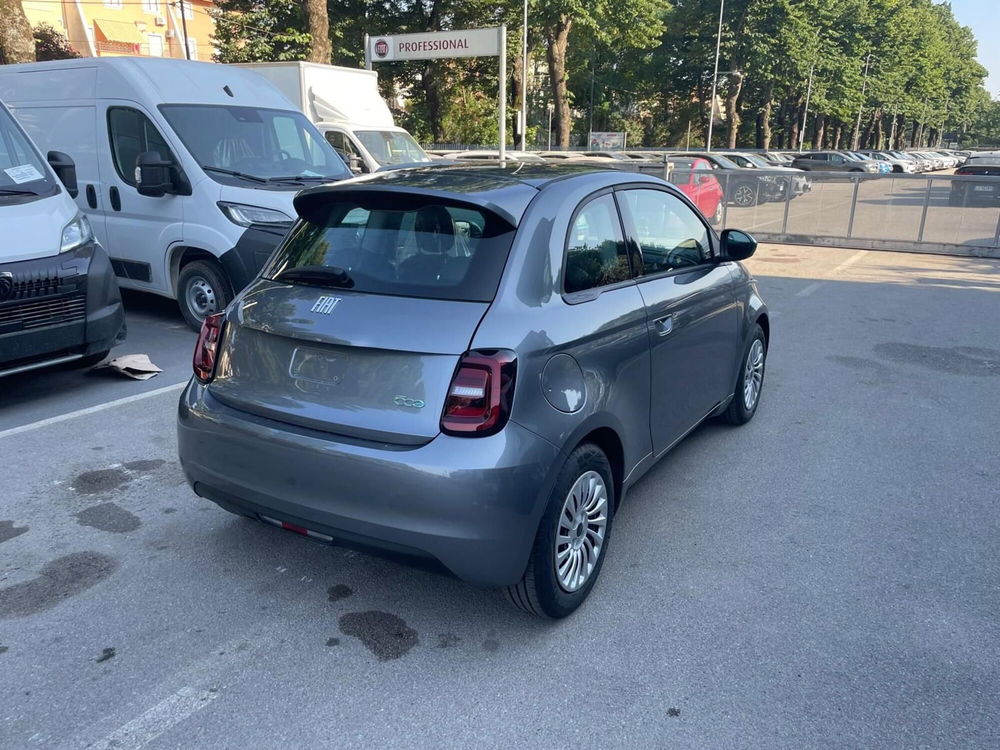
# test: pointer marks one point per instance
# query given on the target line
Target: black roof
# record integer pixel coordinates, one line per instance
(505, 190)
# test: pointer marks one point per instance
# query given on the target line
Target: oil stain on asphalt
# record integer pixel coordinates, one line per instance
(57, 581)
(108, 517)
(338, 592)
(955, 360)
(384, 634)
(101, 481)
(106, 653)
(8, 530)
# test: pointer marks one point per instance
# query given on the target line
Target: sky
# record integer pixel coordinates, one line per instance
(983, 17)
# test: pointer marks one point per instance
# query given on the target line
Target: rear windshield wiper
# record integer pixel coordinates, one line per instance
(318, 276)
(232, 173)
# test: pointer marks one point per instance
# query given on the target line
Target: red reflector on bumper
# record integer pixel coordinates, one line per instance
(296, 529)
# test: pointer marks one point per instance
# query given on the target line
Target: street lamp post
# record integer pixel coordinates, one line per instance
(184, 25)
(864, 85)
(715, 76)
(805, 112)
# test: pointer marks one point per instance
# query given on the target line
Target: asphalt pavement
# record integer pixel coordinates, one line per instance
(823, 577)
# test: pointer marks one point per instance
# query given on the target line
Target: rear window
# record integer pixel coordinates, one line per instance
(434, 250)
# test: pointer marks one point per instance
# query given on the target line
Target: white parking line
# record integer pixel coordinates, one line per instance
(807, 290)
(90, 410)
(150, 724)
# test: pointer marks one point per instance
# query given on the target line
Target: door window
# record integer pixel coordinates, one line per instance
(595, 248)
(837, 159)
(669, 233)
(818, 157)
(131, 134)
(343, 145)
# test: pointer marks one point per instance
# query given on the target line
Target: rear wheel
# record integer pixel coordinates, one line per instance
(201, 290)
(956, 198)
(572, 536)
(745, 195)
(750, 381)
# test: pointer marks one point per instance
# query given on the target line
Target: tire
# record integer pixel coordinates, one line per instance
(739, 410)
(716, 218)
(745, 195)
(202, 289)
(956, 198)
(542, 591)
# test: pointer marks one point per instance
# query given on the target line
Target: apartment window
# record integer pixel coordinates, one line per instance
(187, 8)
(155, 45)
(116, 4)
(192, 48)
(151, 6)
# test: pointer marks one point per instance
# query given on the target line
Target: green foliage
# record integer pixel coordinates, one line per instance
(645, 66)
(52, 45)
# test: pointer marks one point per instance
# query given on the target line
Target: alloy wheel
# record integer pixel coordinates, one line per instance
(582, 526)
(753, 374)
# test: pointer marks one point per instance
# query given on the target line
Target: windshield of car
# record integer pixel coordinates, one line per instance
(680, 171)
(21, 167)
(261, 143)
(758, 161)
(400, 245)
(391, 147)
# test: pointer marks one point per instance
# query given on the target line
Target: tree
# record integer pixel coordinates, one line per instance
(318, 25)
(17, 44)
(52, 45)
(259, 31)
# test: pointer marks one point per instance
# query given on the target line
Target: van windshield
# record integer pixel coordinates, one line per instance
(22, 171)
(391, 147)
(261, 144)
(387, 244)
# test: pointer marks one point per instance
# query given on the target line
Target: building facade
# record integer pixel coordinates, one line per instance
(103, 28)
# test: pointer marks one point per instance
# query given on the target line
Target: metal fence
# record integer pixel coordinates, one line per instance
(925, 213)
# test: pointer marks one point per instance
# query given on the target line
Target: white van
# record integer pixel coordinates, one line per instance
(346, 107)
(187, 170)
(59, 302)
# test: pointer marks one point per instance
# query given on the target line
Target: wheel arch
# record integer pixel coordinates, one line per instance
(181, 255)
(610, 443)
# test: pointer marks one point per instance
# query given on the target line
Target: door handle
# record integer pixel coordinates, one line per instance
(664, 325)
(116, 198)
(91, 196)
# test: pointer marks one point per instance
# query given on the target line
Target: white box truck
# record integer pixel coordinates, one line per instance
(59, 302)
(345, 104)
(187, 170)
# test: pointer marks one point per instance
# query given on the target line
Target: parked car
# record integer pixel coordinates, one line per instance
(470, 367)
(832, 161)
(59, 301)
(895, 164)
(743, 188)
(187, 169)
(798, 182)
(984, 189)
(614, 155)
(644, 155)
(777, 158)
(694, 178)
(494, 155)
(919, 165)
(883, 166)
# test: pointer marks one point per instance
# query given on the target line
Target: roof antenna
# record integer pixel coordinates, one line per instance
(227, 89)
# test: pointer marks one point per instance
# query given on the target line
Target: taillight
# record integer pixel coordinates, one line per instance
(962, 171)
(480, 395)
(207, 347)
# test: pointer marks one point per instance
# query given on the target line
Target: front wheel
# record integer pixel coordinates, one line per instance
(716, 218)
(745, 195)
(572, 536)
(750, 381)
(201, 291)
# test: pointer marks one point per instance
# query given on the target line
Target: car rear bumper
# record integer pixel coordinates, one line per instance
(471, 504)
(59, 308)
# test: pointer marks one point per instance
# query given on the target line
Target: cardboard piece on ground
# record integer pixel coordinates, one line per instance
(135, 366)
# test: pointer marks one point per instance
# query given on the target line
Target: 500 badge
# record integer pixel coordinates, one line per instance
(414, 403)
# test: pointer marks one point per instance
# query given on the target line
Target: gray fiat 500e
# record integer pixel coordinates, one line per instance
(470, 366)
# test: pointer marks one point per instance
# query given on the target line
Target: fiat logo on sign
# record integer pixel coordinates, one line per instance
(381, 48)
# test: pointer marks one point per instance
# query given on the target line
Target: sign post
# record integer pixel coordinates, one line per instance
(490, 42)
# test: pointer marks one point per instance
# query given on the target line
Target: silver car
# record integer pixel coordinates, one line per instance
(469, 367)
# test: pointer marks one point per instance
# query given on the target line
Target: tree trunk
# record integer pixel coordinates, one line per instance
(430, 83)
(732, 106)
(764, 118)
(878, 133)
(819, 131)
(838, 134)
(557, 38)
(793, 132)
(17, 43)
(318, 26)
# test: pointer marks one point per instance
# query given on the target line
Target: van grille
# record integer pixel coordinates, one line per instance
(44, 312)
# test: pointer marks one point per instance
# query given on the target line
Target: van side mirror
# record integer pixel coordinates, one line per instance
(737, 245)
(152, 175)
(65, 169)
(355, 164)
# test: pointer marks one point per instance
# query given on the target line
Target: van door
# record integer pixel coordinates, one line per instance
(345, 146)
(691, 311)
(139, 229)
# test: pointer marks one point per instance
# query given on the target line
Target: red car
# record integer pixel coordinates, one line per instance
(694, 178)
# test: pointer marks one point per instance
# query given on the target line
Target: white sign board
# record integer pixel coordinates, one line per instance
(607, 141)
(467, 43)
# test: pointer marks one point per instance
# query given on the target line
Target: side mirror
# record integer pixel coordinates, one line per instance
(356, 165)
(65, 169)
(152, 175)
(737, 245)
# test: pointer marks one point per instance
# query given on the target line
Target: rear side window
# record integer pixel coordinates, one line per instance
(431, 250)
(131, 134)
(595, 248)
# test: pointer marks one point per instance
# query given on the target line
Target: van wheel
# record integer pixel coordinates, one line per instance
(572, 537)
(201, 290)
(750, 381)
